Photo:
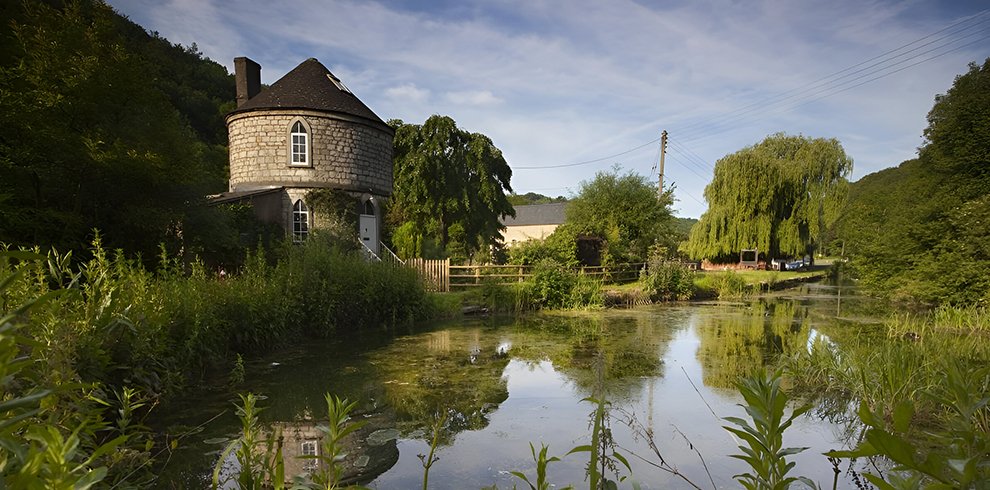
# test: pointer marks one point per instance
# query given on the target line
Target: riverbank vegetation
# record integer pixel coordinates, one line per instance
(106, 340)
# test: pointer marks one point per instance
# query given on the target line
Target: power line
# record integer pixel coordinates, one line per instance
(534, 167)
(819, 88)
(818, 92)
(762, 103)
(691, 156)
(839, 88)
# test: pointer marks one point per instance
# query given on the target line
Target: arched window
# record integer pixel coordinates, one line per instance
(300, 221)
(369, 207)
(299, 143)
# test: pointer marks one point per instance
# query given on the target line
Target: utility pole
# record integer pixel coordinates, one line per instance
(663, 151)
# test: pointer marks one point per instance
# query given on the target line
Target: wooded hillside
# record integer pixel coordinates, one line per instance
(106, 127)
(922, 230)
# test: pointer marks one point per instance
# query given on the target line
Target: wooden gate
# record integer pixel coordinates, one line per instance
(435, 273)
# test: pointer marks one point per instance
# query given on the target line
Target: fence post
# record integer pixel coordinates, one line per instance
(446, 275)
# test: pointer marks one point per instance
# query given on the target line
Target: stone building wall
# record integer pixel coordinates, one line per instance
(345, 152)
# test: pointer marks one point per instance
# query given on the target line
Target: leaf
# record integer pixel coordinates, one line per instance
(892, 446)
(579, 449)
(105, 448)
(623, 460)
(219, 466)
(791, 450)
(90, 478)
(902, 415)
(523, 478)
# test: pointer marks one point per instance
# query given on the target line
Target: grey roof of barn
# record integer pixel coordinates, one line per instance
(311, 86)
(538, 214)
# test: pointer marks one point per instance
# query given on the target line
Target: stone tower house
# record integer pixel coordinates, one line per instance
(306, 132)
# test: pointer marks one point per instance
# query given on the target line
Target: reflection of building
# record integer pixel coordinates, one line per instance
(306, 132)
(367, 452)
(300, 439)
(438, 341)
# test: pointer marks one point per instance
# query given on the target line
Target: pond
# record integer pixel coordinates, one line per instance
(506, 383)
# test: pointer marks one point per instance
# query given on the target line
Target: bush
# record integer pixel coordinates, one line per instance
(552, 285)
(728, 284)
(666, 281)
(560, 247)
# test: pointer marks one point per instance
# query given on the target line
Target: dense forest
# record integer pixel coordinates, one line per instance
(107, 127)
(921, 230)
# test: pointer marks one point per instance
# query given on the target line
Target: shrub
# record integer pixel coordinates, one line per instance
(728, 284)
(665, 281)
(560, 247)
(552, 285)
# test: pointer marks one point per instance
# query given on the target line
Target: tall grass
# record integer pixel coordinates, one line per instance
(910, 365)
(726, 284)
(110, 326)
(121, 324)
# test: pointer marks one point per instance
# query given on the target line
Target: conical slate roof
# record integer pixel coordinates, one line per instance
(310, 86)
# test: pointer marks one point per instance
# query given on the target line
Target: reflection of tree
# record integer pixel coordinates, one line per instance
(457, 371)
(625, 349)
(734, 342)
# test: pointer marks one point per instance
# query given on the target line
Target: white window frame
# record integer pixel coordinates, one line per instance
(310, 448)
(300, 221)
(300, 143)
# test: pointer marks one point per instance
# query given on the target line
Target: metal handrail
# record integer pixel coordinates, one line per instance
(394, 256)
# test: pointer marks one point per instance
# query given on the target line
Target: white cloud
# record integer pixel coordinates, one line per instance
(408, 92)
(475, 98)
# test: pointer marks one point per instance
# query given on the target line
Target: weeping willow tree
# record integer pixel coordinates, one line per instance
(779, 197)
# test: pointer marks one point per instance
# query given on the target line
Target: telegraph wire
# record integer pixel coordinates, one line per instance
(691, 156)
(818, 93)
(804, 88)
(692, 132)
(832, 91)
(586, 162)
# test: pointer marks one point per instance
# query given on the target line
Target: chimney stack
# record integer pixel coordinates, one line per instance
(247, 76)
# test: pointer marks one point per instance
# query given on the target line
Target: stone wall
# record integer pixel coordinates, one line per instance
(345, 152)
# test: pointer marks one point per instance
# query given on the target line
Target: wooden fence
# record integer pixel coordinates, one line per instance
(435, 273)
(439, 275)
(461, 276)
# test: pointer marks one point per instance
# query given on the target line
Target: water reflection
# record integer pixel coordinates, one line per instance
(505, 383)
(455, 371)
(735, 341)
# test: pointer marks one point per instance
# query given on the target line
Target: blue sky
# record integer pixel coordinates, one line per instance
(559, 82)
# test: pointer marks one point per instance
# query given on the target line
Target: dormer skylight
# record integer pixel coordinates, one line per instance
(340, 85)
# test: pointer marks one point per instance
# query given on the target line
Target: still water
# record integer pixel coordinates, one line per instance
(504, 384)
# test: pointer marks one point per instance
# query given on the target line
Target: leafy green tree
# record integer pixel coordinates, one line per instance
(91, 140)
(449, 181)
(920, 231)
(624, 211)
(779, 196)
(533, 198)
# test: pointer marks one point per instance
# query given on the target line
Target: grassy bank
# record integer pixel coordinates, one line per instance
(922, 385)
(554, 286)
(91, 348)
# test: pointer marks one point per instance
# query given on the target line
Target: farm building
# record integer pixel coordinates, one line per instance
(533, 222)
